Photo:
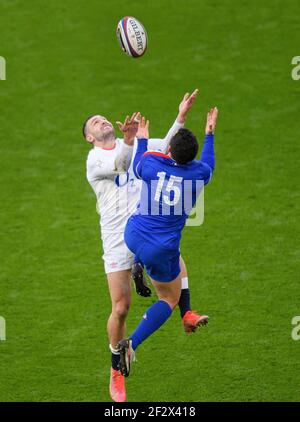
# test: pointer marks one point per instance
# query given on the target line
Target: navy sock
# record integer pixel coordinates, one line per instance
(184, 302)
(153, 318)
(115, 359)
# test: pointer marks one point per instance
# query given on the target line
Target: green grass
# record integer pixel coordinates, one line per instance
(64, 63)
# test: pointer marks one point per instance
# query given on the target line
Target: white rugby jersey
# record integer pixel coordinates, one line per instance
(118, 190)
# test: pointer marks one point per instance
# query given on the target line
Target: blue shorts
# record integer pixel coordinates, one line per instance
(162, 264)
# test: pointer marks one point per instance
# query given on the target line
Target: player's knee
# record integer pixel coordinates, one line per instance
(121, 309)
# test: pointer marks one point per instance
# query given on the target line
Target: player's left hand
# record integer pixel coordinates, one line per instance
(211, 121)
(186, 104)
(130, 127)
(143, 130)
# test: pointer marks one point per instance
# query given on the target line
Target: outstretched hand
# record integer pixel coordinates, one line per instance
(211, 122)
(186, 104)
(130, 127)
(143, 130)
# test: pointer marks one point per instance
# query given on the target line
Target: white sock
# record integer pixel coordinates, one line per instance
(184, 283)
(114, 351)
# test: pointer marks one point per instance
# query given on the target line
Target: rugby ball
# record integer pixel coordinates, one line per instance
(132, 36)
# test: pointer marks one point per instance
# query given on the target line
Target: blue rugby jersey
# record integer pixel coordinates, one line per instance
(169, 190)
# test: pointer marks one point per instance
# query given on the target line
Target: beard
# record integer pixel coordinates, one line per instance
(107, 135)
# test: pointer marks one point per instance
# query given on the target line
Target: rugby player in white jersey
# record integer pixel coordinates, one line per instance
(110, 174)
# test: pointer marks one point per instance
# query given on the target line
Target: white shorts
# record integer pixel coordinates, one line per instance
(116, 256)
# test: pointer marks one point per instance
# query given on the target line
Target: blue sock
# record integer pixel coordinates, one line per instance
(184, 302)
(153, 318)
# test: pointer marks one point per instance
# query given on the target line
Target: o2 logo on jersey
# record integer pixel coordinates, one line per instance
(122, 179)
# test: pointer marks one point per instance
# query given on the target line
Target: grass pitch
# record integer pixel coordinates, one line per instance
(64, 63)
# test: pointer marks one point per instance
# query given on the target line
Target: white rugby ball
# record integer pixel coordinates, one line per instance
(132, 36)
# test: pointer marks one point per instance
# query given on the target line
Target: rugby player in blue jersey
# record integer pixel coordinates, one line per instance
(171, 185)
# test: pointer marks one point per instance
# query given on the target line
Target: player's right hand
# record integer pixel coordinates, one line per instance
(143, 130)
(130, 127)
(186, 104)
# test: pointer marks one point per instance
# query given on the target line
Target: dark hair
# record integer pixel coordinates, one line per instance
(84, 125)
(184, 146)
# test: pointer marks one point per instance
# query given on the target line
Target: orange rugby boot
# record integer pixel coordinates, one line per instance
(192, 320)
(117, 386)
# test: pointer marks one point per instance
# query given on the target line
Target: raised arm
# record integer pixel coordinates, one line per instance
(129, 129)
(142, 135)
(184, 107)
(208, 151)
